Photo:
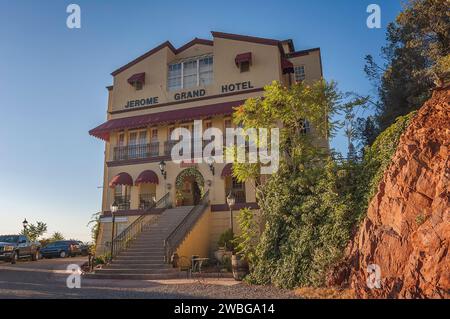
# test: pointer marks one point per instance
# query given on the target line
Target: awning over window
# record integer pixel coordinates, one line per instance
(287, 66)
(227, 170)
(102, 131)
(243, 57)
(138, 77)
(147, 176)
(121, 179)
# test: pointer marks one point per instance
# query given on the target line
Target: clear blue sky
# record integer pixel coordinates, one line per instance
(52, 82)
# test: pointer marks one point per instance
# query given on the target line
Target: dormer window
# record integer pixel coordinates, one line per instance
(243, 61)
(190, 73)
(137, 80)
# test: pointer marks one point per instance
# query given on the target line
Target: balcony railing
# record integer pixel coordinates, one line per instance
(122, 153)
(146, 151)
(238, 193)
(123, 202)
(146, 201)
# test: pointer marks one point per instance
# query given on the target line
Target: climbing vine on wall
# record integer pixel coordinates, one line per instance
(191, 171)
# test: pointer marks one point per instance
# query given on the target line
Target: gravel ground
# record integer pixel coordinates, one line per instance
(46, 279)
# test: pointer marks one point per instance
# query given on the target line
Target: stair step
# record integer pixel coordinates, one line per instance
(133, 260)
(137, 271)
(136, 276)
(158, 265)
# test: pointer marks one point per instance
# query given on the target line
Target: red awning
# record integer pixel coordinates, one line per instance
(227, 170)
(147, 176)
(287, 66)
(102, 131)
(121, 179)
(138, 77)
(243, 57)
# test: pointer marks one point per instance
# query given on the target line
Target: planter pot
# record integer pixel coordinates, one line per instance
(239, 267)
(219, 253)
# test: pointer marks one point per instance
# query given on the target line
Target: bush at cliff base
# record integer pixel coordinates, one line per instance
(310, 216)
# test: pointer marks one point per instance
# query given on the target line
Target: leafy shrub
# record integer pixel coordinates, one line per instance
(226, 240)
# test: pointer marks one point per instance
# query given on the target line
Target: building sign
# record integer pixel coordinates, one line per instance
(226, 88)
(189, 95)
(142, 102)
(182, 96)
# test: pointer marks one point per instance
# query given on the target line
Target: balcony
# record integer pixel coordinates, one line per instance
(238, 193)
(146, 200)
(123, 153)
(123, 202)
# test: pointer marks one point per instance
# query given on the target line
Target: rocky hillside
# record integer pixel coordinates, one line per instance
(407, 228)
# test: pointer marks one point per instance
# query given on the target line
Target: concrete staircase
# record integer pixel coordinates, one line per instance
(144, 259)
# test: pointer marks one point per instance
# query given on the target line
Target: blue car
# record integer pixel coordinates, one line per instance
(62, 248)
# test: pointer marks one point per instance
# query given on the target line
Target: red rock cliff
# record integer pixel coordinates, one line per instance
(407, 230)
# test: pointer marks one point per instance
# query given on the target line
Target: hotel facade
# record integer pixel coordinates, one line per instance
(167, 88)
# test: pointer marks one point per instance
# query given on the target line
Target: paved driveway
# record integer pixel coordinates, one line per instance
(47, 279)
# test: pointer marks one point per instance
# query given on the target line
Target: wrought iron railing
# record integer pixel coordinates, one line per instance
(123, 201)
(146, 200)
(122, 153)
(123, 240)
(177, 236)
(239, 194)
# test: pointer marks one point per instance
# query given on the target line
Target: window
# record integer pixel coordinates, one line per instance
(142, 137)
(138, 85)
(190, 73)
(205, 70)
(244, 66)
(155, 135)
(121, 140)
(299, 72)
(305, 127)
(227, 124)
(174, 78)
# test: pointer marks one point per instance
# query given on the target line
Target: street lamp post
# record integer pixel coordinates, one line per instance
(114, 208)
(25, 223)
(231, 201)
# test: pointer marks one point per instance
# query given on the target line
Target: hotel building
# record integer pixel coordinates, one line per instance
(170, 87)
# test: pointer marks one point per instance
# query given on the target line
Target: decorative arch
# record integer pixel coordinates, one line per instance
(191, 171)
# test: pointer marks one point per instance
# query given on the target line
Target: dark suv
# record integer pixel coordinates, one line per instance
(14, 247)
(61, 248)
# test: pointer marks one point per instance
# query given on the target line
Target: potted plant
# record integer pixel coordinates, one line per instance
(179, 198)
(225, 245)
(239, 266)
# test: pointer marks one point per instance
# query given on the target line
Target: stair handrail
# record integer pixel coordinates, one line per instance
(175, 238)
(122, 240)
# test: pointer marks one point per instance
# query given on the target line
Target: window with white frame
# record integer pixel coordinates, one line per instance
(190, 73)
(299, 72)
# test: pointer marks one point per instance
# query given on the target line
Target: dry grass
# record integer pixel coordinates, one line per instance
(324, 293)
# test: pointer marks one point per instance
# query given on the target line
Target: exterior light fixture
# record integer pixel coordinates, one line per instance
(231, 200)
(114, 209)
(210, 161)
(162, 168)
(25, 223)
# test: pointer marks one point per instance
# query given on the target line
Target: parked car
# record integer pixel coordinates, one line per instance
(61, 248)
(84, 248)
(15, 247)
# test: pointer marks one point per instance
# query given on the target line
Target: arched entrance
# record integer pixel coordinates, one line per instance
(189, 186)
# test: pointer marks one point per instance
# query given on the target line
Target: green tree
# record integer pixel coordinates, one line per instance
(56, 236)
(307, 204)
(34, 231)
(416, 55)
